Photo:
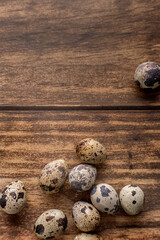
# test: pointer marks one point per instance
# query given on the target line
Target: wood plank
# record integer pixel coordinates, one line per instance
(76, 52)
(29, 140)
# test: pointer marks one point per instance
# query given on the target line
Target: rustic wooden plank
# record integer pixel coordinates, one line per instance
(76, 52)
(29, 140)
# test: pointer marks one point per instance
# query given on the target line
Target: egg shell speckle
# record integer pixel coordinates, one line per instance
(132, 199)
(85, 216)
(91, 151)
(147, 75)
(53, 176)
(82, 177)
(105, 198)
(13, 197)
(50, 224)
(85, 236)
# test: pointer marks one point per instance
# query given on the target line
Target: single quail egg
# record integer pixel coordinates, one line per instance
(105, 198)
(13, 197)
(147, 75)
(82, 177)
(85, 236)
(91, 151)
(50, 224)
(85, 216)
(53, 176)
(132, 199)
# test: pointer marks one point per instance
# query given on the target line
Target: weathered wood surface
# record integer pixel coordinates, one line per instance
(29, 140)
(76, 52)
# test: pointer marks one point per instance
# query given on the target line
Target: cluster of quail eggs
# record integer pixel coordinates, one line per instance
(104, 198)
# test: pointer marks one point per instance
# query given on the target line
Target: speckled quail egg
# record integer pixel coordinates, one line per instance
(50, 224)
(85, 216)
(85, 236)
(82, 177)
(147, 75)
(105, 198)
(53, 176)
(132, 199)
(13, 197)
(91, 151)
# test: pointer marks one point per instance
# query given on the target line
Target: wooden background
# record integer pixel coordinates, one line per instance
(66, 73)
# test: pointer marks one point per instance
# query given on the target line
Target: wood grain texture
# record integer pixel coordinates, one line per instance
(76, 52)
(29, 140)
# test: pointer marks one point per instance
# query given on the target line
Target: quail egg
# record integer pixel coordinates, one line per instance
(85, 216)
(53, 176)
(13, 197)
(82, 177)
(147, 75)
(105, 198)
(132, 199)
(50, 224)
(85, 236)
(91, 151)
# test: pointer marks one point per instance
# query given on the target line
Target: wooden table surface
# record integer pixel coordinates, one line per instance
(66, 73)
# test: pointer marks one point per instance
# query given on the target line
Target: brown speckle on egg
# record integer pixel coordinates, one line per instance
(133, 193)
(49, 218)
(39, 229)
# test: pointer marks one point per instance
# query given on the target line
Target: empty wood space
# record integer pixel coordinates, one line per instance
(66, 73)
(76, 53)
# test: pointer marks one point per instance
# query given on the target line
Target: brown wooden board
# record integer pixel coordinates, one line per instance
(29, 140)
(79, 52)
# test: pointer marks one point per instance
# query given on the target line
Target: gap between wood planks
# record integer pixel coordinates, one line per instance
(75, 108)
